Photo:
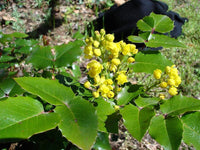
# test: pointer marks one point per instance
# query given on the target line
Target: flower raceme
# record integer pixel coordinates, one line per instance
(108, 66)
(169, 80)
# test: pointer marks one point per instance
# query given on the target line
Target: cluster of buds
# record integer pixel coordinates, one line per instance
(108, 64)
(169, 80)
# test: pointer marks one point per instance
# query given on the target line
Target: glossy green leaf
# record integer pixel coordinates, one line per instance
(102, 142)
(136, 39)
(21, 117)
(66, 54)
(17, 35)
(49, 90)
(103, 110)
(10, 87)
(128, 93)
(167, 132)
(191, 126)
(162, 23)
(180, 104)
(79, 122)
(143, 102)
(78, 35)
(149, 61)
(157, 40)
(136, 121)
(41, 57)
(146, 24)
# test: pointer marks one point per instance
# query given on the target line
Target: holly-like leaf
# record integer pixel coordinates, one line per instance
(66, 54)
(137, 121)
(157, 40)
(21, 117)
(49, 90)
(5, 58)
(146, 24)
(180, 104)
(79, 122)
(135, 39)
(167, 132)
(148, 62)
(162, 23)
(128, 93)
(41, 57)
(144, 102)
(103, 110)
(191, 132)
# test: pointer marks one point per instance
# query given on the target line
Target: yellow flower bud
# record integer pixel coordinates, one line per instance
(113, 68)
(109, 82)
(177, 81)
(102, 32)
(109, 37)
(131, 59)
(157, 73)
(87, 84)
(172, 91)
(96, 44)
(163, 84)
(161, 96)
(95, 94)
(97, 52)
(115, 61)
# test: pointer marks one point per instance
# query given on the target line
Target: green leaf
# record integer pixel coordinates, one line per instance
(167, 132)
(41, 57)
(21, 117)
(137, 121)
(17, 35)
(162, 23)
(180, 104)
(49, 90)
(149, 61)
(102, 142)
(4, 58)
(103, 110)
(191, 132)
(144, 102)
(76, 71)
(128, 93)
(157, 40)
(66, 54)
(79, 122)
(78, 35)
(10, 87)
(146, 24)
(135, 39)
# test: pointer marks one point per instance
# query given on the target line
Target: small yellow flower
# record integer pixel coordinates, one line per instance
(95, 94)
(172, 91)
(97, 52)
(121, 79)
(163, 84)
(109, 81)
(113, 68)
(161, 96)
(177, 81)
(131, 59)
(157, 73)
(94, 68)
(171, 82)
(102, 32)
(110, 94)
(115, 61)
(87, 84)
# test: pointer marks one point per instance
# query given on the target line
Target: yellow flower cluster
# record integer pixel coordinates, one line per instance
(108, 63)
(170, 79)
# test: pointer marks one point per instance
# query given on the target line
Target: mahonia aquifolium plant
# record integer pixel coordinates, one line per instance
(108, 66)
(169, 80)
